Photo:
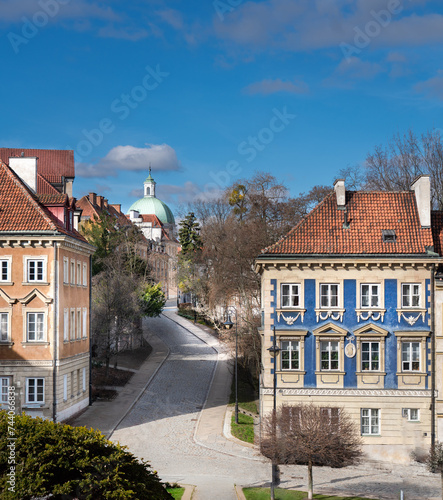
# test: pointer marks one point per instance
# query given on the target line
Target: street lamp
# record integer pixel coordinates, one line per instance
(228, 324)
(274, 350)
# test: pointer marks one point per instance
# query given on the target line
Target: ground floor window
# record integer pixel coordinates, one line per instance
(370, 421)
(5, 382)
(290, 355)
(35, 390)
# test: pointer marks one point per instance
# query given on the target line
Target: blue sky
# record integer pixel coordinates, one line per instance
(210, 92)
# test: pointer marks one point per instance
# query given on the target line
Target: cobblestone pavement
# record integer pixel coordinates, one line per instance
(161, 428)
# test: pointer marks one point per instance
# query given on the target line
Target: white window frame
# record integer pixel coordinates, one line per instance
(372, 421)
(85, 274)
(37, 322)
(328, 344)
(410, 295)
(294, 291)
(5, 262)
(79, 273)
(7, 325)
(85, 322)
(329, 295)
(5, 383)
(72, 271)
(371, 352)
(293, 346)
(66, 324)
(79, 323)
(410, 360)
(65, 387)
(28, 261)
(84, 379)
(72, 324)
(65, 270)
(370, 286)
(36, 387)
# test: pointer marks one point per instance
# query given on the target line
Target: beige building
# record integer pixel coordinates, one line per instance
(348, 295)
(44, 295)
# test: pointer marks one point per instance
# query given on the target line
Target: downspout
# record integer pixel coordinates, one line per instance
(90, 340)
(432, 358)
(55, 329)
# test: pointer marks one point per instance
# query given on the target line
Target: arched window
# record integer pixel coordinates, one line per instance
(148, 190)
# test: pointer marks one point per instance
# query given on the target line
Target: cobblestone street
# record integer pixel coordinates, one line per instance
(162, 428)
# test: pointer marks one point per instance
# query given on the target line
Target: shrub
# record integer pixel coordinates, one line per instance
(71, 462)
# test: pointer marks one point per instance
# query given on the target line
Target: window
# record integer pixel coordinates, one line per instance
(72, 384)
(328, 295)
(5, 270)
(370, 296)
(84, 379)
(78, 381)
(370, 356)
(370, 421)
(35, 390)
(65, 387)
(35, 327)
(5, 383)
(389, 235)
(85, 316)
(412, 414)
(72, 272)
(410, 295)
(65, 270)
(329, 355)
(85, 274)
(36, 270)
(79, 273)
(290, 295)
(66, 324)
(330, 416)
(72, 324)
(79, 323)
(410, 356)
(4, 327)
(290, 355)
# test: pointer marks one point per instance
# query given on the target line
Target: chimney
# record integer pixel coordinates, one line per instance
(340, 192)
(422, 189)
(134, 214)
(68, 181)
(100, 201)
(118, 208)
(105, 202)
(26, 169)
(77, 218)
(93, 198)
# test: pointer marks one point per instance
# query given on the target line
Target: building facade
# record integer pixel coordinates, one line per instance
(44, 296)
(349, 296)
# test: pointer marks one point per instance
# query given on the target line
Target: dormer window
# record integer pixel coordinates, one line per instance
(389, 236)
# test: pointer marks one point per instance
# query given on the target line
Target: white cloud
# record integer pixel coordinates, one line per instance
(269, 86)
(432, 87)
(159, 156)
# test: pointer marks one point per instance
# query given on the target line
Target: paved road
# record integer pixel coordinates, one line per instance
(165, 427)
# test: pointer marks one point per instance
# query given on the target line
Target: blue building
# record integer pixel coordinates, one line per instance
(348, 295)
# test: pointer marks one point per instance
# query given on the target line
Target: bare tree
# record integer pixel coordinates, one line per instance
(435, 461)
(395, 166)
(310, 435)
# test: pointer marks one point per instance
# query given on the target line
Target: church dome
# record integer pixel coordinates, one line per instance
(149, 205)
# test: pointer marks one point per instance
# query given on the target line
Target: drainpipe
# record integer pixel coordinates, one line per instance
(90, 342)
(55, 329)
(433, 357)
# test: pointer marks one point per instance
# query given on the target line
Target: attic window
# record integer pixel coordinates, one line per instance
(389, 235)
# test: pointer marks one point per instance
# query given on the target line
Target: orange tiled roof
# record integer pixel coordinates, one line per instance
(20, 209)
(437, 231)
(44, 187)
(52, 163)
(368, 214)
(53, 199)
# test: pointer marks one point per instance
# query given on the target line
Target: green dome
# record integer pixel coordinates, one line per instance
(150, 205)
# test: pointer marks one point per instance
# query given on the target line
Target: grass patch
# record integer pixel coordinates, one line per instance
(280, 494)
(176, 493)
(244, 430)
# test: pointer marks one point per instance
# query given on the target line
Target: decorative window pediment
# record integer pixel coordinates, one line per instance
(370, 330)
(7, 298)
(35, 293)
(330, 329)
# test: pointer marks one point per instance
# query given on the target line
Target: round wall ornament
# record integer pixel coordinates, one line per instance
(350, 350)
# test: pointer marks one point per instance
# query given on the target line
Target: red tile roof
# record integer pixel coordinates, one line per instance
(437, 231)
(368, 214)
(20, 209)
(52, 163)
(53, 199)
(94, 210)
(44, 187)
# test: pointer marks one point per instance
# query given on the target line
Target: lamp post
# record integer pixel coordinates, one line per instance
(228, 325)
(274, 350)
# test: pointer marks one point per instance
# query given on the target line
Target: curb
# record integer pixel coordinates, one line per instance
(239, 492)
(189, 491)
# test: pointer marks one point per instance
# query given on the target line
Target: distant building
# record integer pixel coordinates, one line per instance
(156, 221)
(348, 295)
(44, 286)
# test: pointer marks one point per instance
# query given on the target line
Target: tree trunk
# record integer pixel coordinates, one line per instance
(272, 483)
(441, 474)
(310, 482)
